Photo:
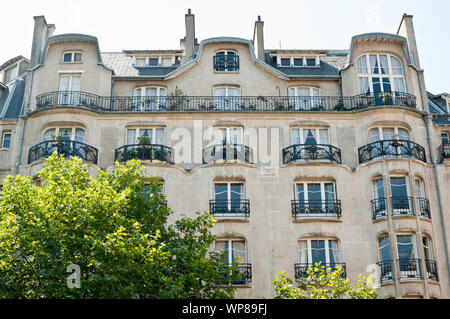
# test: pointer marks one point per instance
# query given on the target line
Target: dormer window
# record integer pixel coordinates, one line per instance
(298, 61)
(226, 60)
(155, 61)
(72, 57)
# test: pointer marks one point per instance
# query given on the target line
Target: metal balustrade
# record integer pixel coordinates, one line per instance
(149, 152)
(386, 271)
(218, 103)
(301, 269)
(230, 208)
(410, 268)
(229, 62)
(243, 271)
(444, 152)
(67, 148)
(311, 152)
(391, 149)
(227, 152)
(379, 208)
(302, 209)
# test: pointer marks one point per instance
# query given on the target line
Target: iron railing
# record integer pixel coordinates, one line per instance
(244, 272)
(402, 206)
(67, 148)
(230, 208)
(391, 149)
(431, 268)
(216, 103)
(227, 152)
(301, 269)
(145, 152)
(444, 152)
(423, 205)
(311, 152)
(410, 268)
(316, 209)
(227, 62)
(386, 271)
(379, 208)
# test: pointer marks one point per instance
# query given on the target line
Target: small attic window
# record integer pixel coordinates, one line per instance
(71, 57)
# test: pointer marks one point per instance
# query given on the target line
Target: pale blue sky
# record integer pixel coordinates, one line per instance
(325, 24)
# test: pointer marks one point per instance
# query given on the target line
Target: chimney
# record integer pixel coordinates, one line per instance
(41, 32)
(258, 39)
(406, 29)
(189, 41)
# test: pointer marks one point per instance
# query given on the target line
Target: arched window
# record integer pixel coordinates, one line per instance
(227, 98)
(385, 260)
(235, 249)
(226, 60)
(66, 133)
(428, 255)
(324, 251)
(380, 75)
(150, 98)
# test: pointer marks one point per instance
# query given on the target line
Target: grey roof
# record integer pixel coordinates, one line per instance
(120, 63)
(438, 108)
(11, 101)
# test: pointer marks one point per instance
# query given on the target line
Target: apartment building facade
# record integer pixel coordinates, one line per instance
(302, 156)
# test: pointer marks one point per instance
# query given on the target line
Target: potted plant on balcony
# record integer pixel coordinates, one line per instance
(176, 99)
(339, 107)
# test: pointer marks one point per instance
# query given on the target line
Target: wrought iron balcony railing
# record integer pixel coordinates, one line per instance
(230, 208)
(301, 269)
(423, 205)
(391, 149)
(226, 62)
(410, 268)
(216, 103)
(444, 152)
(402, 206)
(145, 152)
(386, 271)
(244, 272)
(379, 208)
(311, 152)
(430, 266)
(65, 147)
(227, 152)
(316, 209)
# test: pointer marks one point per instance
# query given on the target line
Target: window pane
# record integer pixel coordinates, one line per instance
(396, 66)
(239, 250)
(6, 140)
(303, 251)
(66, 133)
(236, 192)
(362, 65)
(75, 83)
(235, 135)
(384, 249)
(323, 136)
(219, 92)
(384, 64)
(298, 62)
(314, 192)
(398, 186)
(388, 133)
(405, 247)
(374, 135)
(153, 61)
(403, 134)
(334, 251)
(300, 192)
(221, 192)
(160, 136)
(151, 91)
(364, 85)
(309, 136)
(166, 62)
(285, 61)
(77, 57)
(49, 134)
(79, 135)
(67, 57)
(378, 189)
(386, 85)
(399, 85)
(373, 64)
(318, 253)
(329, 192)
(310, 62)
(131, 137)
(140, 61)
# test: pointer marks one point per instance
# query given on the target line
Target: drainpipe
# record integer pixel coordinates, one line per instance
(22, 135)
(436, 179)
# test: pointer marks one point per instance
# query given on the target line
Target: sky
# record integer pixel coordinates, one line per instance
(289, 24)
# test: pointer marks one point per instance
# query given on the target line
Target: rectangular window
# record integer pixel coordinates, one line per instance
(153, 61)
(6, 140)
(298, 62)
(70, 57)
(154, 135)
(285, 62)
(140, 61)
(166, 62)
(310, 62)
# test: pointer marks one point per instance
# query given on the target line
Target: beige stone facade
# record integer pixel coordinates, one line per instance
(281, 228)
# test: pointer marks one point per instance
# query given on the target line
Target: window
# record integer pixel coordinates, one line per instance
(226, 60)
(67, 134)
(430, 263)
(298, 61)
(228, 135)
(384, 252)
(379, 200)
(227, 98)
(310, 62)
(407, 257)
(153, 61)
(6, 139)
(69, 90)
(286, 61)
(154, 135)
(228, 196)
(388, 133)
(304, 98)
(140, 61)
(382, 76)
(71, 57)
(235, 250)
(324, 251)
(150, 98)
(444, 138)
(309, 136)
(401, 201)
(316, 199)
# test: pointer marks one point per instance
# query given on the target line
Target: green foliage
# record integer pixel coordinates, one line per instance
(176, 98)
(114, 227)
(143, 140)
(322, 283)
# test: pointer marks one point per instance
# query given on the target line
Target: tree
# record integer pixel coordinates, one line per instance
(322, 283)
(113, 227)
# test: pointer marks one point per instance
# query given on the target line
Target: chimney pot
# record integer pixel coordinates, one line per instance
(189, 11)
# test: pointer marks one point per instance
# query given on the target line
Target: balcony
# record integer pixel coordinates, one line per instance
(379, 208)
(228, 63)
(430, 266)
(303, 210)
(302, 268)
(152, 152)
(227, 152)
(402, 206)
(244, 272)
(218, 103)
(444, 152)
(386, 271)
(67, 148)
(423, 205)
(311, 152)
(391, 149)
(230, 209)
(410, 269)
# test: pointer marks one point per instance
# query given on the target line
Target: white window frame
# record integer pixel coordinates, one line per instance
(138, 134)
(304, 102)
(322, 190)
(230, 248)
(302, 57)
(4, 133)
(414, 250)
(408, 194)
(389, 75)
(72, 133)
(302, 137)
(72, 58)
(380, 132)
(150, 102)
(327, 250)
(227, 130)
(160, 60)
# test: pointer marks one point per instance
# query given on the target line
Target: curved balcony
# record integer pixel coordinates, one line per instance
(233, 209)
(311, 152)
(410, 268)
(65, 147)
(444, 152)
(379, 208)
(316, 209)
(302, 268)
(244, 272)
(386, 271)
(222, 103)
(391, 149)
(402, 206)
(227, 152)
(144, 152)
